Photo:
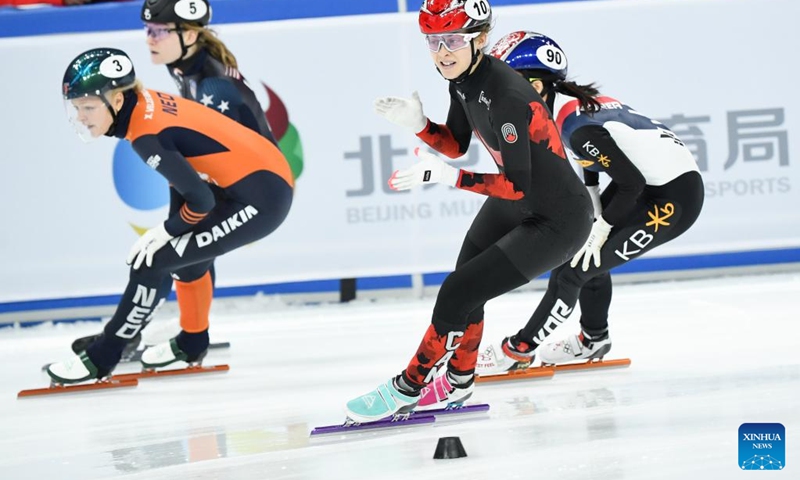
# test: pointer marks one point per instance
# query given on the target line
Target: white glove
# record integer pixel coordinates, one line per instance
(591, 250)
(406, 112)
(430, 169)
(147, 245)
(594, 192)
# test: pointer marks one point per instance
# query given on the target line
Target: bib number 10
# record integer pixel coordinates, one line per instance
(478, 9)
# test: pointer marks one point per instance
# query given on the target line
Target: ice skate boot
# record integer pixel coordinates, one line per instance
(167, 353)
(507, 356)
(575, 348)
(385, 401)
(81, 344)
(442, 393)
(77, 369)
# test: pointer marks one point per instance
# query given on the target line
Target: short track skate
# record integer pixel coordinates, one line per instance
(192, 369)
(57, 388)
(591, 364)
(520, 374)
(403, 420)
(548, 370)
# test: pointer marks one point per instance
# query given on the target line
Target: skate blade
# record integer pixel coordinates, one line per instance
(170, 373)
(532, 372)
(454, 408)
(58, 388)
(592, 364)
(350, 426)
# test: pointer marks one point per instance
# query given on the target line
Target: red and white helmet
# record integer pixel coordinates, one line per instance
(454, 16)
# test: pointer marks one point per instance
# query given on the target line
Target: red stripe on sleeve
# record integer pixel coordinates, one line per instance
(441, 139)
(494, 185)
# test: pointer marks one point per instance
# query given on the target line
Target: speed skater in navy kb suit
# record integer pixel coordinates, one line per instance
(655, 195)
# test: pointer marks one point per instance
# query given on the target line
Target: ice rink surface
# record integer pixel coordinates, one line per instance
(707, 356)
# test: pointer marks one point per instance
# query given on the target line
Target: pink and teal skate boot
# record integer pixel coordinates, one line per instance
(383, 402)
(441, 393)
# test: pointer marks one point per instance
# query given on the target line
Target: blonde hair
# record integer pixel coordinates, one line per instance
(137, 86)
(207, 39)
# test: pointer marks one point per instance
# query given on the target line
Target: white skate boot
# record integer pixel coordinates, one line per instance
(167, 353)
(574, 348)
(75, 370)
(506, 356)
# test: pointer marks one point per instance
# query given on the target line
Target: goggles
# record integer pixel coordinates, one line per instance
(158, 32)
(451, 41)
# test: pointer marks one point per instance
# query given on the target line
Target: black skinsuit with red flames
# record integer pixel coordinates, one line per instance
(538, 214)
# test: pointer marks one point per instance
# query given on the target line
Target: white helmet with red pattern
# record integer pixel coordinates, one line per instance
(454, 16)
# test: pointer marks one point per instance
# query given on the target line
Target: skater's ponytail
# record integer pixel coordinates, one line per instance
(207, 39)
(554, 83)
(586, 94)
